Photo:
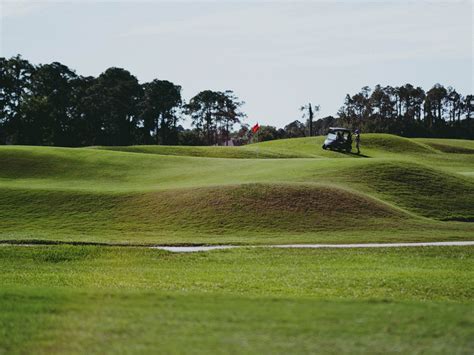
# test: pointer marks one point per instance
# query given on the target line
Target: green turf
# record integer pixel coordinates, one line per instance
(255, 214)
(373, 144)
(96, 299)
(376, 145)
(449, 145)
(246, 152)
(133, 300)
(407, 189)
(423, 190)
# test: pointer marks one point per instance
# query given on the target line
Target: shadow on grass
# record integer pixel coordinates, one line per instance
(351, 154)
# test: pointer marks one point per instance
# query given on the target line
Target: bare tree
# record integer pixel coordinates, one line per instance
(308, 113)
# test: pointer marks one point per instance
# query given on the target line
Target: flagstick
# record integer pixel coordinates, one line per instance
(257, 143)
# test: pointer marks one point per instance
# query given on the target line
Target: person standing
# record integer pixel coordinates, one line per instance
(357, 140)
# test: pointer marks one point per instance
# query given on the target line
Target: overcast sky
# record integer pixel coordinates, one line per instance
(276, 56)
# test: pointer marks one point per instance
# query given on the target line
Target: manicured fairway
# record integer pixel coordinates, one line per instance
(102, 299)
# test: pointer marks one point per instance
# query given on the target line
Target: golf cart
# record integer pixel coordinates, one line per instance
(338, 139)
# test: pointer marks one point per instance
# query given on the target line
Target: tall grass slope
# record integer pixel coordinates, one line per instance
(420, 189)
(243, 209)
(122, 193)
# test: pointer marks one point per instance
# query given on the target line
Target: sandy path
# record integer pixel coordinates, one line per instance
(188, 249)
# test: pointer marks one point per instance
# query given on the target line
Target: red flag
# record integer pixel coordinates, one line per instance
(255, 128)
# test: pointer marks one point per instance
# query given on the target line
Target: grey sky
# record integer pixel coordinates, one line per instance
(276, 56)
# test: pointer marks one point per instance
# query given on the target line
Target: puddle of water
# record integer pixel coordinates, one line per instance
(194, 248)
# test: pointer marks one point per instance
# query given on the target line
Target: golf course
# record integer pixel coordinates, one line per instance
(79, 274)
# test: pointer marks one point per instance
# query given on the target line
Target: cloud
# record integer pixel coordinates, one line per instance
(10, 9)
(267, 52)
(321, 34)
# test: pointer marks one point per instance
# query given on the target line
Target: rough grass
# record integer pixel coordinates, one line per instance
(116, 196)
(386, 143)
(449, 145)
(249, 213)
(422, 190)
(260, 207)
(95, 300)
(239, 211)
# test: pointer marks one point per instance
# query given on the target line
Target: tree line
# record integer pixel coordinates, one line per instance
(49, 104)
(410, 111)
(405, 110)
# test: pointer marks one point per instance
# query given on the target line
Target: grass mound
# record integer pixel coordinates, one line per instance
(377, 144)
(427, 192)
(240, 209)
(100, 195)
(373, 145)
(445, 148)
(388, 143)
(23, 162)
(246, 152)
(307, 147)
(18, 162)
(265, 207)
(457, 146)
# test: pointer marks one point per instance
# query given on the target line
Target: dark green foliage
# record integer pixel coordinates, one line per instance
(268, 133)
(112, 100)
(409, 111)
(158, 115)
(15, 75)
(295, 129)
(213, 114)
(51, 105)
(47, 118)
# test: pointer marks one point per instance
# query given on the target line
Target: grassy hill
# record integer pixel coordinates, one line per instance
(279, 191)
(374, 144)
(100, 299)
